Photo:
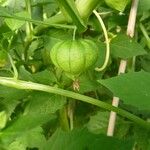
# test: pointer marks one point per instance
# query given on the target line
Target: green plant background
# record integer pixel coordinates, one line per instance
(36, 96)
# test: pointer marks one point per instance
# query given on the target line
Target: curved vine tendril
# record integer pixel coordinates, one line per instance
(107, 42)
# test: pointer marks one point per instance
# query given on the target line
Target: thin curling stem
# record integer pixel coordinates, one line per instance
(14, 67)
(107, 42)
(74, 33)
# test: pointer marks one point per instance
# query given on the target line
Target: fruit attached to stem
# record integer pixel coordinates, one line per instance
(74, 56)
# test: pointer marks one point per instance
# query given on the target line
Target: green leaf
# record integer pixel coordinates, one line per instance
(101, 53)
(87, 84)
(44, 77)
(142, 138)
(5, 13)
(40, 7)
(124, 47)
(133, 88)
(144, 5)
(23, 125)
(145, 62)
(16, 145)
(10, 98)
(3, 58)
(122, 128)
(15, 5)
(33, 139)
(56, 35)
(12, 93)
(9, 105)
(98, 123)
(3, 119)
(119, 5)
(81, 139)
(44, 103)
(33, 47)
(85, 12)
(68, 7)
(25, 75)
(14, 24)
(145, 16)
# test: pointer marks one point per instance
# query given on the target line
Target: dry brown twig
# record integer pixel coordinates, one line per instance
(123, 64)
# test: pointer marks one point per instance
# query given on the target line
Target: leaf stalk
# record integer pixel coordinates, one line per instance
(19, 84)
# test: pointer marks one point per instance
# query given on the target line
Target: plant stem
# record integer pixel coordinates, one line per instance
(29, 27)
(132, 18)
(115, 102)
(14, 67)
(107, 42)
(123, 64)
(46, 24)
(64, 119)
(74, 32)
(71, 107)
(145, 34)
(19, 84)
(15, 72)
(85, 12)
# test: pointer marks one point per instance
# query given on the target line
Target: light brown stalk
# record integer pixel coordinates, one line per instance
(123, 64)
(115, 102)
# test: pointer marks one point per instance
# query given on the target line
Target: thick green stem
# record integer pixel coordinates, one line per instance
(43, 23)
(19, 84)
(29, 27)
(85, 8)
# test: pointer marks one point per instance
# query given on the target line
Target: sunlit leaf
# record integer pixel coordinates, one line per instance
(14, 24)
(119, 5)
(69, 8)
(3, 119)
(23, 125)
(33, 139)
(44, 103)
